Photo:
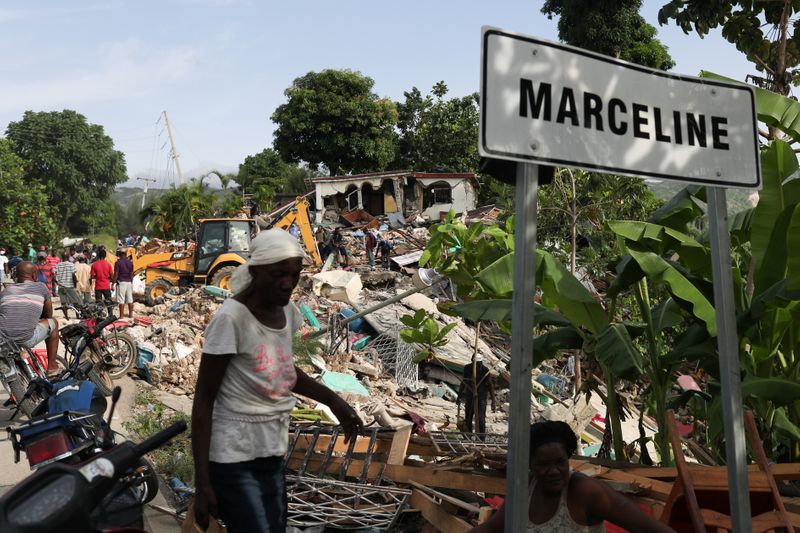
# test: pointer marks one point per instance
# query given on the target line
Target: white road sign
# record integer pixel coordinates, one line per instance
(559, 105)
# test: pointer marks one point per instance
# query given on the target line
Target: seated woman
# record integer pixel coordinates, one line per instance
(562, 501)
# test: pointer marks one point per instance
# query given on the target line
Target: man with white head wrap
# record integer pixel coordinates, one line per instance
(240, 416)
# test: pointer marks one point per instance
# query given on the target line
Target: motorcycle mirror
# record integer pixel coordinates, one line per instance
(115, 394)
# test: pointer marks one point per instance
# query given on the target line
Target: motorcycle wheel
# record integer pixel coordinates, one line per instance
(149, 481)
(18, 387)
(99, 372)
(123, 347)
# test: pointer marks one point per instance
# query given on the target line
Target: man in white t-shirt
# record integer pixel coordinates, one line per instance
(3, 267)
(243, 397)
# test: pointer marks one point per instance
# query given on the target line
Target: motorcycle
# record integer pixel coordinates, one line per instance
(103, 492)
(18, 367)
(119, 344)
(87, 337)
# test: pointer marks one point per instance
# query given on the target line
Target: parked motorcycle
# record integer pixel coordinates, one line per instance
(18, 367)
(86, 337)
(119, 344)
(107, 491)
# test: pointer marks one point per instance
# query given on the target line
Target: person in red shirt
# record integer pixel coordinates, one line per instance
(45, 271)
(101, 273)
(53, 259)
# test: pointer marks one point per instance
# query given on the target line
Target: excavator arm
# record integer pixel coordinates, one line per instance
(298, 213)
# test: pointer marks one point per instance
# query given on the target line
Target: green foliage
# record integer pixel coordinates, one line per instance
(333, 118)
(422, 329)
(74, 160)
(757, 29)
(175, 458)
(304, 347)
(266, 173)
(583, 203)
(173, 214)
(437, 133)
(25, 215)
(610, 27)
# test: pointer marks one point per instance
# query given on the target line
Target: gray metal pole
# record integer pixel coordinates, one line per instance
(519, 421)
(728, 346)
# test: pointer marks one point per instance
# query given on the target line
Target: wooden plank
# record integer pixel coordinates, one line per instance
(429, 476)
(438, 517)
(445, 497)
(658, 490)
(382, 445)
(399, 448)
(781, 471)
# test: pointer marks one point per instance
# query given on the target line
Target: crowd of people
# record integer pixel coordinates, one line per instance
(29, 281)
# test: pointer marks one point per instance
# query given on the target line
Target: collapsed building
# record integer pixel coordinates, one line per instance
(401, 193)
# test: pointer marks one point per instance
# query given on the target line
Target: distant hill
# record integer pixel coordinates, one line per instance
(664, 190)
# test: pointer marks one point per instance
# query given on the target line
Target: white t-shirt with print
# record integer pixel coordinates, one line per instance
(251, 413)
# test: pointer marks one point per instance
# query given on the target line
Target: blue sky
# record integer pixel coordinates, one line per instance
(219, 67)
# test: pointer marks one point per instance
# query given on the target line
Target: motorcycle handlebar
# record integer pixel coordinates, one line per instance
(160, 438)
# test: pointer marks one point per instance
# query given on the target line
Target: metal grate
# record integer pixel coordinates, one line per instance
(332, 503)
(462, 443)
(315, 500)
(397, 358)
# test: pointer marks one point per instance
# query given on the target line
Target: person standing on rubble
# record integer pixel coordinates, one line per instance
(471, 374)
(83, 276)
(562, 501)
(243, 397)
(370, 244)
(123, 277)
(336, 244)
(385, 247)
(102, 271)
(64, 273)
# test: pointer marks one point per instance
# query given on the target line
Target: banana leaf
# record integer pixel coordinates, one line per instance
(772, 108)
(739, 226)
(665, 315)
(614, 349)
(777, 390)
(560, 289)
(782, 423)
(775, 254)
(662, 239)
(659, 270)
(793, 251)
(500, 311)
(681, 209)
(778, 162)
(548, 345)
(628, 274)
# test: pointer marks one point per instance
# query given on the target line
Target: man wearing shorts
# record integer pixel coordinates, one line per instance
(102, 272)
(26, 313)
(123, 277)
(65, 278)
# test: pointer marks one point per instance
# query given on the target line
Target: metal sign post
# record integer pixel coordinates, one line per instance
(522, 346)
(550, 103)
(728, 347)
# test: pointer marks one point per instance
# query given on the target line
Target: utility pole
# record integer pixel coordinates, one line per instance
(146, 181)
(173, 151)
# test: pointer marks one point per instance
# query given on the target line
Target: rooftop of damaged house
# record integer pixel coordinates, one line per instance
(419, 464)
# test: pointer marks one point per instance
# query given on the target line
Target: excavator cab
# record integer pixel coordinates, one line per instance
(222, 245)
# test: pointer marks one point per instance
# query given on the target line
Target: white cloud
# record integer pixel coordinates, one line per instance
(124, 69)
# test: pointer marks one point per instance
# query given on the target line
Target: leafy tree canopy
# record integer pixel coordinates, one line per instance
(766, 32)
(74, 160)
(438, 133)
(611, 27)
(333, 118)
(25, 215)
(266, 173)
(173, 214)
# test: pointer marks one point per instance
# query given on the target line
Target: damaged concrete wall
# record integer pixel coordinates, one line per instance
(463, 198)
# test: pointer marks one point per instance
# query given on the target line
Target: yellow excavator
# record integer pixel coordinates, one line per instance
(222, 245)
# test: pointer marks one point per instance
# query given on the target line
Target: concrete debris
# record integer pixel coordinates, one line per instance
(339, 286)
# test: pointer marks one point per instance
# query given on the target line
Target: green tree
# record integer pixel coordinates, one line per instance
(74, 160)
(266, 173)
(333, 118)
(766, 32)
(438, 133)
(611, 27)
(24, 212)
